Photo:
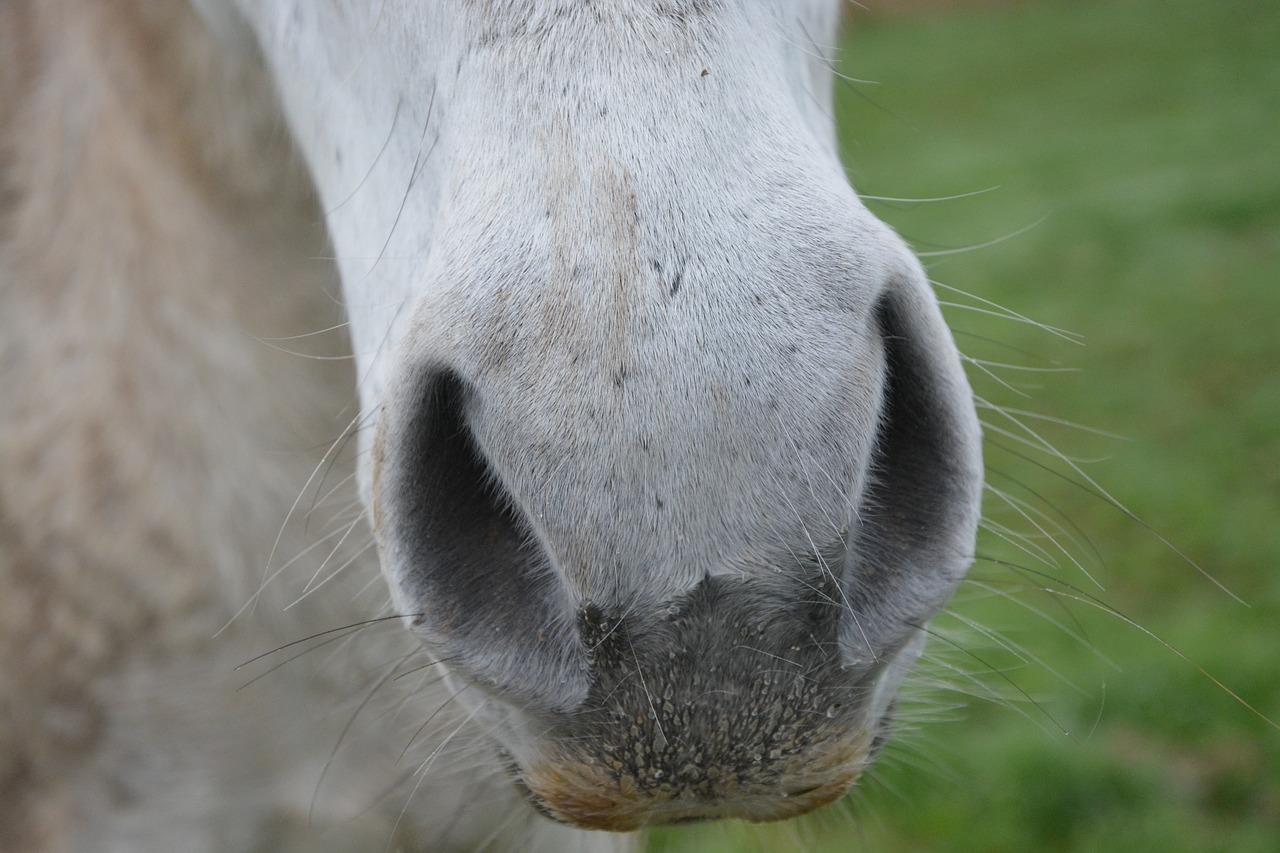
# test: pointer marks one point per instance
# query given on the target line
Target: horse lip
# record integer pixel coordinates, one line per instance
(587, 793)
(640, 811)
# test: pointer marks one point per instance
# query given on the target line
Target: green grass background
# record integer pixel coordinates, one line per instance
(1141, 141)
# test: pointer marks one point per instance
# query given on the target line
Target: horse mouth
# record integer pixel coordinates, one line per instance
(591, 795)
(605, 810)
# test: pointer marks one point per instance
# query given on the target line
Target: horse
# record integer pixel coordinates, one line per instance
(562, 317)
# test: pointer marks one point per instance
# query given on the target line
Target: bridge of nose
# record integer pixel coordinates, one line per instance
(694, 445)
(661, 374)
(659, 289)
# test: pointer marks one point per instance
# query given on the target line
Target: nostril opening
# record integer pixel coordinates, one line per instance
(458, 551)
(919, 512)
(453, 515)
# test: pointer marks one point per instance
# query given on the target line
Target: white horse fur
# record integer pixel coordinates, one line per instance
(667, 453)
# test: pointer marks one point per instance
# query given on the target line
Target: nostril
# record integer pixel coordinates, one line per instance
(919, 514)
(460, 555)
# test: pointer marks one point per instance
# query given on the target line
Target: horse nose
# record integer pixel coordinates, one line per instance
(518, 499)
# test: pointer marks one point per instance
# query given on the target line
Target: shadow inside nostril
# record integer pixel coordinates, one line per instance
(451, 535)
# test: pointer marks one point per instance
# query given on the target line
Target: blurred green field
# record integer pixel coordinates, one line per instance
(1131, 155)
